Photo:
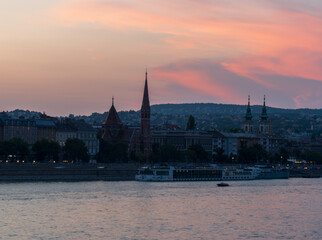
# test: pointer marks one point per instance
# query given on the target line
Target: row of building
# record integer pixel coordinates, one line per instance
(59, 130)
(141, 138)
(230, 143)
(32, 130)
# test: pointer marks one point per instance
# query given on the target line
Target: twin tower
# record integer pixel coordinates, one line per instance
(264, 126)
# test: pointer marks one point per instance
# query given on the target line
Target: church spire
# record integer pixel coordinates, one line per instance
(146, 101)
(248, 111)
(145, 133)
(264, 115)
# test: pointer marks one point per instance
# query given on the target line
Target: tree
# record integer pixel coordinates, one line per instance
(197, 153)
(219, 156)
(3, 152)
(118, 152)
(45, 149)
(76, 150)
(140, 157)
(15, 147)
(252, 154)
(314, 157)
(155, 155)
(191, 124)
(54, 150)
(284, 155)
(113, 152)
(169, 153)
(297, 153)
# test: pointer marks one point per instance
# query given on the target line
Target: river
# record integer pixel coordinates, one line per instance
(259, 209)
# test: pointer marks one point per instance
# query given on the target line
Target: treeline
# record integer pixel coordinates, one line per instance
(118, 153)
(17, 150)
(195, 154)
(257, 154)
(74, 150)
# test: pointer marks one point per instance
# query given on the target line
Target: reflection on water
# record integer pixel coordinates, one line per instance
(272, 209)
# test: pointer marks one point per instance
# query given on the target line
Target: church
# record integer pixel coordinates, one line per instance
(264, 126)
(113, 130)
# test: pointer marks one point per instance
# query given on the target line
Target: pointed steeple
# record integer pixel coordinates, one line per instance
(145, 133)
(112, 117)
(264, 115)
(248, 111)
(146, 102)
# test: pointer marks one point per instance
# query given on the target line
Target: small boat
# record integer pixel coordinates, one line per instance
(222, 184)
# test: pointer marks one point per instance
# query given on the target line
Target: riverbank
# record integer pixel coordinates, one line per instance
(15, 172)
(67, 172)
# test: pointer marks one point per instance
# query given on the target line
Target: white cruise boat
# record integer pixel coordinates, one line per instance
(162, 174)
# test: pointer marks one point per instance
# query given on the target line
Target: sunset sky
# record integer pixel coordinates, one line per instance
(72, 56)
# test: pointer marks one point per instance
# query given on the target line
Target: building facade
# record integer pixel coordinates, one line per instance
(182, 139)
(65, 130)
(88, 135)
(30, 130)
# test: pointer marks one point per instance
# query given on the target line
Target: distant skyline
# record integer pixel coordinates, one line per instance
(70, 57)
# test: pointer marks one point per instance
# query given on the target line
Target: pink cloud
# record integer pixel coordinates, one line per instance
(292, 62)
(210, 78)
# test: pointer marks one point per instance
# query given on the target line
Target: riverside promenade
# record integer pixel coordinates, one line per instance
(66, 172)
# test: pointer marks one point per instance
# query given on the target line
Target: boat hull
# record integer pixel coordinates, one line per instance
(282, 174)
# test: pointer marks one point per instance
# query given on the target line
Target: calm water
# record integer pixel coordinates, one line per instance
(271, 209)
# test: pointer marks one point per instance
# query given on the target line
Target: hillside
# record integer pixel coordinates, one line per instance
(225, 117)
(225, 109)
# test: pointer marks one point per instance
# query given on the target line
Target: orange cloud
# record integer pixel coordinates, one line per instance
(268, 28)
(239, 33)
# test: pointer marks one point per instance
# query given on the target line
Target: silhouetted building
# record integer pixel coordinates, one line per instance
(113, 130)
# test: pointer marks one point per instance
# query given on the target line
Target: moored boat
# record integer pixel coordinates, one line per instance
(210, 173)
